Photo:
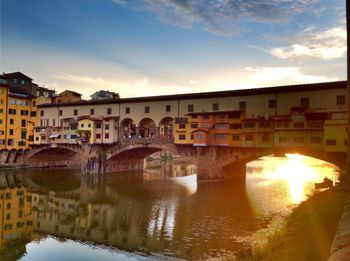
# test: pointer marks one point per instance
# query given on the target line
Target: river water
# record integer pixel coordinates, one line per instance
(59, 215)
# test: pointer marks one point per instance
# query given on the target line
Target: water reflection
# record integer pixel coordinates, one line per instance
(294, 175)
(133, 215)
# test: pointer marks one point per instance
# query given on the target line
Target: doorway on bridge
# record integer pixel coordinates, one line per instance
(147, 128)
(166, 128)
(128, 128)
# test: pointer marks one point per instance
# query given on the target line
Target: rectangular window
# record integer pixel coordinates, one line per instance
(33, 114)
(242, 105)
(304, 102)
(12, 121)
(265, 137)
(264, 124)
(23, 135)
(60, 113)
(282, 139)
(182, 137)
(98, 136)
(109, 111)
(11, 131)
(298, 125)
(340, 99)
(127, 110)
(167, 108)
(235, 137)
(23, 123)
(182, 126)
(12, 111)
(235, 126)
(298, 139)
(53, 122)
(92, 111)
(41, 113)
(272, 104)
(75, 112)
(315, 140)
(24, 112)
(190, 108)
(194, 125)
(215, 106)
(331, 142)
(249, 137)
(106, 135)
(249, 124)
(220, 136)
(98, 125)
(234, 115)
(147, 109)
(107, 127)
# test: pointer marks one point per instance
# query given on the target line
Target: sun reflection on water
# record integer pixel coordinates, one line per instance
(295, 174)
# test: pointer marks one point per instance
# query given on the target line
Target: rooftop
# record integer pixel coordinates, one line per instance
(229, 93)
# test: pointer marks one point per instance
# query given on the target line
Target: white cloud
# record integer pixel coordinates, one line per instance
(284, 75)
(221, 16)
(326, 45)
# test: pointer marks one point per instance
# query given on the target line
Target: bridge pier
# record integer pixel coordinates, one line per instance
(211, 163)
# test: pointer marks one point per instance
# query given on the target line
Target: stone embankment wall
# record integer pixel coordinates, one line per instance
(340, 249)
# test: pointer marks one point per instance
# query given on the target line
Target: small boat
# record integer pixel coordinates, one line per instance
(327, 183)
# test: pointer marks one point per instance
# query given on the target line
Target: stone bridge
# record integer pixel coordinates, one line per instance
(129, 154)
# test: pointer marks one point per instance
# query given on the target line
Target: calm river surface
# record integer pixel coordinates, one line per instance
(63, 216)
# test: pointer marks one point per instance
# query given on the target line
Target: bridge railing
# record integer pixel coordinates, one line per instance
(146, 140)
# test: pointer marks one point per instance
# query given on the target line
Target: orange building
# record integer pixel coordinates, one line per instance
(220, 128)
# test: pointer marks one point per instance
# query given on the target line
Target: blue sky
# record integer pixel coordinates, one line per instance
(151, 47)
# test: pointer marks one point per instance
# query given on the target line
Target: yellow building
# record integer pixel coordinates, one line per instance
(98, 130)
(18, 118)
(335, 135)
(182, 130)
(21, 120)
(67, 96)
(3, 112)
(42, 100)
(16, 218)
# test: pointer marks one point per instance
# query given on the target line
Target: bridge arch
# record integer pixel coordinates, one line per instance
(147, 128)
(53, 156)
(138, 151)
(246, 156)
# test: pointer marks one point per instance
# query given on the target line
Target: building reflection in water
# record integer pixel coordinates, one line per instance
(171, 217)
(16, 218)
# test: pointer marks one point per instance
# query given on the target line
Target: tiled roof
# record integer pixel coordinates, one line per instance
(218, 94)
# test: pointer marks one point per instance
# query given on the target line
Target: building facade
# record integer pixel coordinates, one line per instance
(278, 116)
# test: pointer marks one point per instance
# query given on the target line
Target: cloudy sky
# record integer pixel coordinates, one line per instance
(151, 47)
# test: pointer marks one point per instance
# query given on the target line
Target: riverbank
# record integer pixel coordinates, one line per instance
(309, 230)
